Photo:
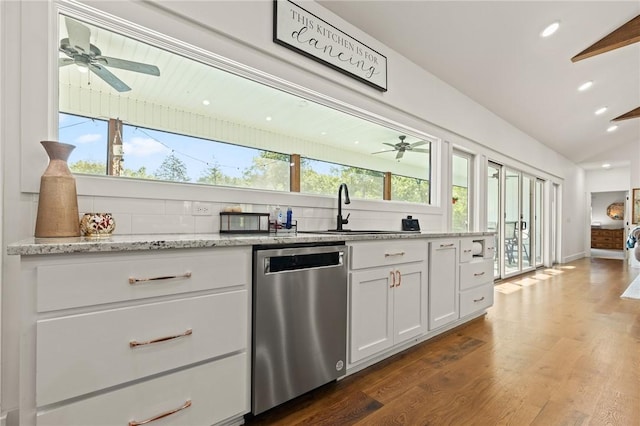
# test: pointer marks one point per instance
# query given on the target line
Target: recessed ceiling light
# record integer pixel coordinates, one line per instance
(585, 86)
(612, 128)
(323, 133)
(606, 165)
(356, 142)
(601, 110)
(206, 102)
(552, 28)
(268, 118)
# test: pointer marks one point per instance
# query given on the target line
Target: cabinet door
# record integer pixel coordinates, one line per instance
(410, 302)
(443, 282)
(371, 316)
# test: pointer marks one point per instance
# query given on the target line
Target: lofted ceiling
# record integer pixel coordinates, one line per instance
(492, 52)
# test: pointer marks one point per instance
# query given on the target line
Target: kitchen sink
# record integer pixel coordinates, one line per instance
(356, 232)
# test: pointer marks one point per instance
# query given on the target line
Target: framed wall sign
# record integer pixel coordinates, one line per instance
(314, 37)
(635, 206)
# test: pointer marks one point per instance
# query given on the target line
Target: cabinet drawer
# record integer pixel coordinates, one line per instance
(489, 247)
(78, 354)
(476, 273)
(217, 391)
(388, 252)
(466, 250)
(89, 280)
(476, 299)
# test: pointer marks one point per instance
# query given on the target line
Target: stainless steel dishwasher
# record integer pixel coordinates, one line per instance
(299, 321)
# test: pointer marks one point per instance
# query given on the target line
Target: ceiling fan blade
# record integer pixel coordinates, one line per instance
(418, 143)
(129, 65)
(384, 150)
(399, 154)
(390, 144)
(79, 35)
(65, 61)
(420, 150)
(109, 78)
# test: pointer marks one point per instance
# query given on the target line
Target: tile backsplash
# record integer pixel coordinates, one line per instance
(157, 216)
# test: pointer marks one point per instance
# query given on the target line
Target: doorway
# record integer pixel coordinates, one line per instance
(515, 203)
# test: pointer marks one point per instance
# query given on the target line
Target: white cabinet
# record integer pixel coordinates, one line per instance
(145, 334)
(443, 282)
(388, 295)
(476, 275)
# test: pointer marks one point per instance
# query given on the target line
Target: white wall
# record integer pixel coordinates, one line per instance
(240, 31)
(606, 180)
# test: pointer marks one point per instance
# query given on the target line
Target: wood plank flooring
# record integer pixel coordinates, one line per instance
(562, 349)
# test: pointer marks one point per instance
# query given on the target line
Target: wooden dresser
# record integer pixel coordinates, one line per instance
(603, 238)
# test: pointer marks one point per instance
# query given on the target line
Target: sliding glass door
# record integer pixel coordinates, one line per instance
(537, 222)
(494, 212)
(514, 211)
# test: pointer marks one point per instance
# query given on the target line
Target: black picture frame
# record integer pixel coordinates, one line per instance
(276, 39)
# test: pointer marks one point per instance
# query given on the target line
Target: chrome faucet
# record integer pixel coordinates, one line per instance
(340, 220)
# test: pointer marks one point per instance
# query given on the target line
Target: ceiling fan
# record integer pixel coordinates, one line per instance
(86, 55)
(403, 146)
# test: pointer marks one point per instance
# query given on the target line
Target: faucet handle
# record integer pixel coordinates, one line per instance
(346, 219)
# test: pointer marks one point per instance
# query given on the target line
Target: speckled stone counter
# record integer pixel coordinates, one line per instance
(119, 243)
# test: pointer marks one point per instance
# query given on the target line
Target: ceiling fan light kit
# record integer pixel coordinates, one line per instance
(88, 57)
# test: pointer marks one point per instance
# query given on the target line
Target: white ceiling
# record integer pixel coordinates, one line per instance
(492, 52)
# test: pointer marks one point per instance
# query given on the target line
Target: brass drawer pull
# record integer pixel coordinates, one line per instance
(167, 277)
(478, 274)
(399, 253)
(468, 251)
(447, 245)
(134, 344)
(478, 300)
(187, 404)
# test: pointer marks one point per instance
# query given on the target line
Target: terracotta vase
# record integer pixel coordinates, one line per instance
(58, 201)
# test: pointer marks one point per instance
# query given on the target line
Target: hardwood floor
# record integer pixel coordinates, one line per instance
(561, 350)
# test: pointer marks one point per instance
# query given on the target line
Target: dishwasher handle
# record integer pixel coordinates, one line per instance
(296, 262)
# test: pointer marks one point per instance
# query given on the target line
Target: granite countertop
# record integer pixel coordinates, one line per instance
(118, 243)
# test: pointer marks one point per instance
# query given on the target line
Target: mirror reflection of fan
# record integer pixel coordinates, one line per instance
(403, 146)
(85, 55)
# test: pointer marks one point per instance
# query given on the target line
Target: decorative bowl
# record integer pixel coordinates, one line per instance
(97, 224)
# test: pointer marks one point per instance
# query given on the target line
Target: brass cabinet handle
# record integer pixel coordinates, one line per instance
(393, 279)
(399, 274)
(447, 245)
(478, 274)
(478, 300)
(133, 280)
(399, 253)
(134, 343)
(468, 251)
(187, 404)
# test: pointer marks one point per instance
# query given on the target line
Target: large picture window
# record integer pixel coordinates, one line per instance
(172, 118)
